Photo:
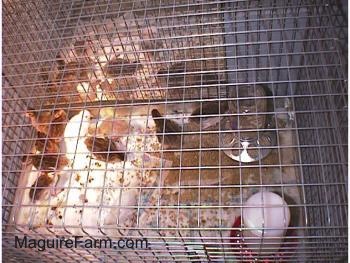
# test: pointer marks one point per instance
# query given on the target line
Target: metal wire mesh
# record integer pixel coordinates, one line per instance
(119, 61)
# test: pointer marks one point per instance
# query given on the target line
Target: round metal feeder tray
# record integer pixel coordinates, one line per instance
(250, 149)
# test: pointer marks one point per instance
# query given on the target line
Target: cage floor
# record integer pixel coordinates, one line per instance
(155, 190)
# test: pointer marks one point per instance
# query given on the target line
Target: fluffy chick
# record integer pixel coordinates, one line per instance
(74, 137)
(48, 162)
(44, 144)
(51, 123)
(69, 76)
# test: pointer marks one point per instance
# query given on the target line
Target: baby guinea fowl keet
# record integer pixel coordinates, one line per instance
(51, 123)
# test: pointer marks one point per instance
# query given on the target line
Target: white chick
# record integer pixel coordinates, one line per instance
(76, 152)
(98, 197)
(74, 137)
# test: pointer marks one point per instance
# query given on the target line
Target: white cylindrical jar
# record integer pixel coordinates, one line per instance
(266, 217)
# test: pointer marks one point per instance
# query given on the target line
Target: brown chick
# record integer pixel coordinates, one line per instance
(79, 69)
(48, 162)
(44, 144)
(88, 90)
(51, 123)
(69, 76)
(104, 149)
(39, 188)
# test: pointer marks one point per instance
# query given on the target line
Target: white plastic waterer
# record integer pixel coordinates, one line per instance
(268, 216)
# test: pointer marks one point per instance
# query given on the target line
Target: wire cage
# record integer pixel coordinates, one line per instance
(163, 120)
